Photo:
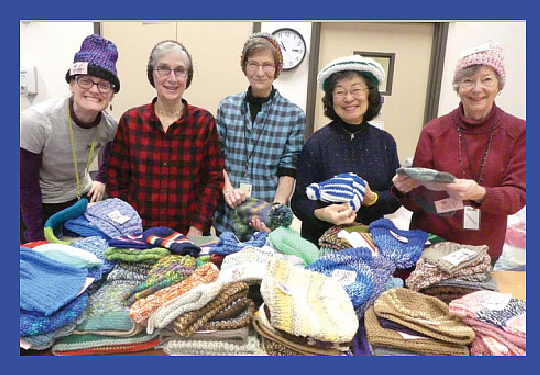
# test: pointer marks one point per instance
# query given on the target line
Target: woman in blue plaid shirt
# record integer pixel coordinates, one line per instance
(261, 134)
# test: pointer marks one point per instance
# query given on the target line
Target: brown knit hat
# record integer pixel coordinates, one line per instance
(424, 314)
(188, 323)
(450, 256)
(379, 336)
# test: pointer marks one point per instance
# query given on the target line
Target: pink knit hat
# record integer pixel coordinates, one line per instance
(488, 54)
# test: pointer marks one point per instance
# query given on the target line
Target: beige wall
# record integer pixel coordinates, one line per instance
(403, 111)
(216, 59)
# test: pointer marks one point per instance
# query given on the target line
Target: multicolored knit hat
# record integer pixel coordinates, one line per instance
(269, 37)
(404, 247)
(46, 284)
(489, 54)
(169, 238)
(97, 57)
(364, 65)
(253, 208)
(346, 187)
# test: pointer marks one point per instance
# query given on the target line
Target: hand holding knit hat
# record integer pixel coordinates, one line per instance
(97, 57)
(488, 54)
(346, 187)
(364, 65)
(272, 216)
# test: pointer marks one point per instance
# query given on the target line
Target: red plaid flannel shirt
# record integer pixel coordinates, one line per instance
(171, 179)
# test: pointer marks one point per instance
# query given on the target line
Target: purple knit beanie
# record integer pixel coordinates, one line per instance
(97, 57)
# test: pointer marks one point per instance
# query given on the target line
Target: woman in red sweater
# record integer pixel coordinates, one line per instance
(480, 144)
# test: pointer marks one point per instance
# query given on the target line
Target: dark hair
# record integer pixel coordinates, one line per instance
(374, 98)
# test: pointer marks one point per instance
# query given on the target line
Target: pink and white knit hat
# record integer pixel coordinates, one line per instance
(488, 54)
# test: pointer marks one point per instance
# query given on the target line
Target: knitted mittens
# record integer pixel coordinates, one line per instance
(346, 187)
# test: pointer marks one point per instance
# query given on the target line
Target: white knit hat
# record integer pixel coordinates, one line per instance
(364, 65)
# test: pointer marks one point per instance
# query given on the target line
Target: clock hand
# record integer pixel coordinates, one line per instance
(283, 45)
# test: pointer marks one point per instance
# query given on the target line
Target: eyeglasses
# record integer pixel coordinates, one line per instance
(164, 71)
(267, 67)
(355, 93)
(470, 83)
(87, 83)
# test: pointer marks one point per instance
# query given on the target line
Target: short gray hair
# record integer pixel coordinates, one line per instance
(163, 48)
(470, 71)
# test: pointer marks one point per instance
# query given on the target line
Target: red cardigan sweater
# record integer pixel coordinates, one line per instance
(504, 176)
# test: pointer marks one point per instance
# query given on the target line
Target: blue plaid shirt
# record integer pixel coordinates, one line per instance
(255, 151)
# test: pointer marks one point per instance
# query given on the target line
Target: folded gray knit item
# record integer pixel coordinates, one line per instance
(490, 284)
(450, 256)
(183, 347)
(235, 336)
(425, 174)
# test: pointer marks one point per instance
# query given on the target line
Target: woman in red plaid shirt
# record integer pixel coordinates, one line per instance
(166, 158)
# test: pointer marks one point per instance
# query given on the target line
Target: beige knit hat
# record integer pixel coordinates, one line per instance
(307, 303)
(424, 314)
(450, 256)
(379, 336)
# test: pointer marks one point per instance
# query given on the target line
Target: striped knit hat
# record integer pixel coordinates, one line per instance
(364, 65)
(346, 187)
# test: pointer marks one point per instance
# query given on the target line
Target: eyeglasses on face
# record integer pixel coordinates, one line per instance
(268, 68)
(85, 82)
(356, 92)
(164, 71)
(469, 83)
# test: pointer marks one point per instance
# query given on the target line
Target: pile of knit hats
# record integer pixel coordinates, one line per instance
(449, 270)
(272, 216)
(114, 217)
(52, 295)
(404, 247)
(343, 188)
(308, 304)
(412, 321)
(143, 308)
(107, 315)
(339, 237)
(498, 321)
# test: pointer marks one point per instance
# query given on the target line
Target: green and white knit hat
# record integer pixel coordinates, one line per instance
(364, 65)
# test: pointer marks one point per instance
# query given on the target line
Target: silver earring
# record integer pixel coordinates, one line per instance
(499, 94)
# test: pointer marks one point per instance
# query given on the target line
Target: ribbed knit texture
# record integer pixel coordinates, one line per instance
(81, 226)
(404, 253)
(141, 310)
(229, 243)
(46, 284)
(289, 242)
(424, 314)
(307, 303)
(46, 340)
(97, 246)
(136, 255)
(356, 264)
(442, 254)
(213, 348)
(383, 268)
(168, 270)
(247, 267)
(99, 215)
(425, 174)
(343, 188)
(54, 223)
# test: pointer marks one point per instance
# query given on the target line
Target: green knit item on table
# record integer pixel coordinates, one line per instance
(55, 221)
(290, 242)
(136, 255)
(433, 239)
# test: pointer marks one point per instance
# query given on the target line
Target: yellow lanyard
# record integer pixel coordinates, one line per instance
(90, 154)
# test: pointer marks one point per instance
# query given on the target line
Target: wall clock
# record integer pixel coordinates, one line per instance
(293, 47)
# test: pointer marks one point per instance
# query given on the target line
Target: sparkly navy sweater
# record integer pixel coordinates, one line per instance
(371, 154)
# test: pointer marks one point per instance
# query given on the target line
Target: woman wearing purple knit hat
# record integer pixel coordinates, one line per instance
(60, 138)
(480, 144)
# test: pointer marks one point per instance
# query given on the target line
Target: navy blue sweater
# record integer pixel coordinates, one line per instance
(372, 155)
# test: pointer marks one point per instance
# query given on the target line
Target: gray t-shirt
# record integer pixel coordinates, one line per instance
(45, 129)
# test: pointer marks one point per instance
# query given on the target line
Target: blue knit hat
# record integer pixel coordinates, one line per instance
(82, 227)
(114, 217)
(54, 223)
(97, 57)
(346, 187)
(352, 268)
(229, 243)
(170, 239)
(46, 284)
(97, 246)
(404, 247)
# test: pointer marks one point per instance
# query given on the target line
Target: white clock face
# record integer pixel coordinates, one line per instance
(293, 47)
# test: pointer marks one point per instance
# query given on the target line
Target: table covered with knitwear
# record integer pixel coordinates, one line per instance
(102, 285)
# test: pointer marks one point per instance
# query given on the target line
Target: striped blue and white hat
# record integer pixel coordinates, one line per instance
(344, 188)
(364, 65)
